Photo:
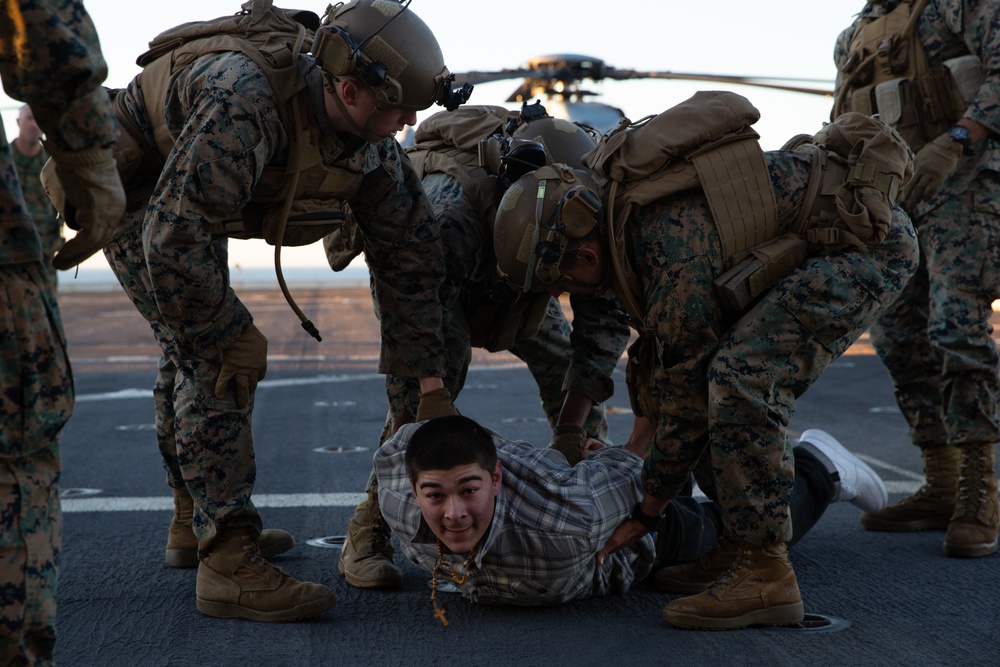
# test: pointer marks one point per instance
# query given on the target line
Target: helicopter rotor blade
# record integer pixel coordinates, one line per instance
(499, 75)
(773, 82)
(790, 84)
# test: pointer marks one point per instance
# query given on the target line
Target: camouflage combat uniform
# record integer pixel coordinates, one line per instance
(726, 389)
(936, 339)
(43, 213)
(49, 57)
(562, 358)
(223, 116)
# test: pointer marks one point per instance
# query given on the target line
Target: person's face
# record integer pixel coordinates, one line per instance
(581, 271)
(391, 120)
(458, 503)
(27, 127)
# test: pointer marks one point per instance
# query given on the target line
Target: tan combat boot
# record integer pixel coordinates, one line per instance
(973, 529)
(931, 507)
(760, 588)
(696, 576)
(182, 545)
(366, 559)
(234, 581)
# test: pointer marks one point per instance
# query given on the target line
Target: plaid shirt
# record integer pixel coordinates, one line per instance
(549, 522)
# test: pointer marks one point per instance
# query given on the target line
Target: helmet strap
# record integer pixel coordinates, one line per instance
(363, 132)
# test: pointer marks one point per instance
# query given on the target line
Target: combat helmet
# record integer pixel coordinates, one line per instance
(533, 139)
(383, 44)
(538, 217)
(565, 142)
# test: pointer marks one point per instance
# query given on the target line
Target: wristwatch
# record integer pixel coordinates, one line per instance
(960, 135)
(648, 522)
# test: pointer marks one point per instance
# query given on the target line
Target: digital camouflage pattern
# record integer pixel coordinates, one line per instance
(223, 116)
(36, 402)
(43, 213)
(936, 339)
(561, 357)
(726, 389)
(50, 58)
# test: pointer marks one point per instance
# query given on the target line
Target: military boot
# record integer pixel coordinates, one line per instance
(695, 577)
(759, 588)
(366, 559)
(182, 545)
(235, 581)
(933, 504)
(973, 529)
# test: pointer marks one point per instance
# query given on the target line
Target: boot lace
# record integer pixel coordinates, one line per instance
(728, 578)
(253, 555)
(972, 486)
(381, 536)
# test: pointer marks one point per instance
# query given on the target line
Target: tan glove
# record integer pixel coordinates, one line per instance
(934, 163)
(92, 201)
(569, 440)
(244, 363)
(435, 403)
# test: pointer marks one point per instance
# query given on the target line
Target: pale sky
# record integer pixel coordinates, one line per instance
(785, 38)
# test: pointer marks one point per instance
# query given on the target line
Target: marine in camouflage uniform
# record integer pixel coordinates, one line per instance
(936, 339)
(564, 359)
(727, 390)
(50, 57)
(223, 117)
(717, 386)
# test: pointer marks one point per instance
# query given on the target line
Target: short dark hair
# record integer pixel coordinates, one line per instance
(446, 442)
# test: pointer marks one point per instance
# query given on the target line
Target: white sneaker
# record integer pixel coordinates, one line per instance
(859, 484)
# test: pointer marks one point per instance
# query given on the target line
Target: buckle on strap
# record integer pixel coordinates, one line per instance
(867, 175)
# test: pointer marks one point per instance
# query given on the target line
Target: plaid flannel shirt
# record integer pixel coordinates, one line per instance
(549, 522)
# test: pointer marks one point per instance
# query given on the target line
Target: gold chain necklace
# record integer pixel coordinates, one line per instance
(438, 611)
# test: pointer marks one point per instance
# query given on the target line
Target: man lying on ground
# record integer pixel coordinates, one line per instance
(509, 523)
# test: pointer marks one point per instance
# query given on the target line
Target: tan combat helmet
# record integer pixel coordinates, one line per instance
(383, 44)
(564, 141)
(531, 140)
(536, 220)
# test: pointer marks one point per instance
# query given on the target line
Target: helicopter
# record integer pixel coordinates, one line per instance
(558, 77)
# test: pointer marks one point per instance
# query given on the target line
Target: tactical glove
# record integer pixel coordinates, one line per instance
(934, 163)
(435, 403)
(569, 439)
(244, 363)
(93, 204)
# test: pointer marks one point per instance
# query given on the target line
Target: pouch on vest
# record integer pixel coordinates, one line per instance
(859, 167)
(343, 244)
(896, 102)
(966, 74)
(761, 270)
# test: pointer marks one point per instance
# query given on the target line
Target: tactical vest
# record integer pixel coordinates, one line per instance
(294, 204)
(448, 143)
(887, 72)
(706, 142)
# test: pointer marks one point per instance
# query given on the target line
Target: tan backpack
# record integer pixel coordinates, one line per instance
(706, 142)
